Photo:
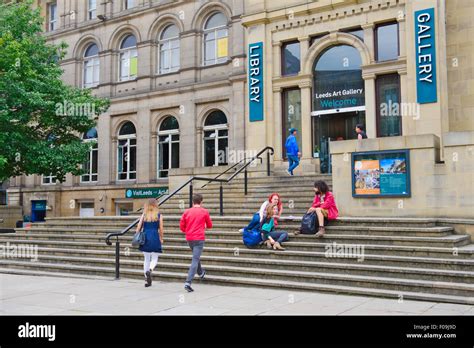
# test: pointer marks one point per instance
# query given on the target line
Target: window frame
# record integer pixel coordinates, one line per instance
(378, 117)
(127, 51)
(52, 22)
(376, 41)
(94, 66)
(90, 173)
(215, 30)
(169, 52)
(91, 12)
(282, 55)
(129, 146)
(170, 134)
(284, 109)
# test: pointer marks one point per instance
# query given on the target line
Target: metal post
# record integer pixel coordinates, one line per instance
(117, 259)
(191, 195)
(221, 200)
(245, 181)
(268, 163)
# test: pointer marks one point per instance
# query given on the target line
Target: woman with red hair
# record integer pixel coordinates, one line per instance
(258, 217)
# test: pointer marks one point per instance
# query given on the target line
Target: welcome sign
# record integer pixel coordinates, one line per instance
(255, 81)
(425, 46)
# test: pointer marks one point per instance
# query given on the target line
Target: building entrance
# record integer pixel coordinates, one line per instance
(333, 127)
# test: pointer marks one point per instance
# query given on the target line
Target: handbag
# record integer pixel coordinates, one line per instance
(139, 239)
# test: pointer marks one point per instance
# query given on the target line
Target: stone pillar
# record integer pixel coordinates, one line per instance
(276, 59)
(277, 107)
(107, 147)
(305, 132)
(304, 47)
(402, 37)
(153, 155)
(370, 107)
(143, 145)
(112, 173)
(369, 38)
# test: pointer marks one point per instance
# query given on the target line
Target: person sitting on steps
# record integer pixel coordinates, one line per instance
(257, 218)
(270, 237)
(323, 205)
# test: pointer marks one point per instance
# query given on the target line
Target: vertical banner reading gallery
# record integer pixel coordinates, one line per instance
(255, 81)
(425, 46)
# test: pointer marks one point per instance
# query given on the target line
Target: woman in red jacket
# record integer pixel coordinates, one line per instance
(324, 205)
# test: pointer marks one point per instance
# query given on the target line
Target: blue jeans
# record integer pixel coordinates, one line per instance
(279, 236)
(293, 162)
(255, 223)
(196, 246)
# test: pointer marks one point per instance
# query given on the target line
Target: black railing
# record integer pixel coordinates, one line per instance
(269, 150)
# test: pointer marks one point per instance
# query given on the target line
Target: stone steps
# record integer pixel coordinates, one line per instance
(266, 283)
(336, 265)
(231, 230)
(101, 266)
(303, 242)
(319, 245)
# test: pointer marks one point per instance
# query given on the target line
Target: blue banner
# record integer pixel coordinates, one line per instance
(255, 81)
(425, 46)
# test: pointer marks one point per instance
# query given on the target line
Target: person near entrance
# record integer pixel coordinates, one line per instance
(193, 224)
(323, 205)
(292, 151)
(360, 131)
(152, 224)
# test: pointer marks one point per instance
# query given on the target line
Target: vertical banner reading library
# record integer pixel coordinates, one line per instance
(255, 81)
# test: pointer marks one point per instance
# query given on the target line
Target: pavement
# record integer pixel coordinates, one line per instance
(44, 295)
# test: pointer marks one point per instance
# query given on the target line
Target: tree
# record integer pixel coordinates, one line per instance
(41, 118)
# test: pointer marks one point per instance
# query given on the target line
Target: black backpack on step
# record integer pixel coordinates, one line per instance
(309, 223)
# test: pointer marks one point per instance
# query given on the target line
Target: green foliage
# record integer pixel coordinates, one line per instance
(41, 118)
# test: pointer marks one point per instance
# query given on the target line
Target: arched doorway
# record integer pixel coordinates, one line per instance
(338, 99)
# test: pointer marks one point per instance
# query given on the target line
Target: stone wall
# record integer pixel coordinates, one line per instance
(437, 189)
(9, 215)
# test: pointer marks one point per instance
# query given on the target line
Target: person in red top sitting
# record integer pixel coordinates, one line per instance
(193, 224)
(324, 205)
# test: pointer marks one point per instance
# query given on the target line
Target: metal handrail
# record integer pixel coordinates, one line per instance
(270, 151)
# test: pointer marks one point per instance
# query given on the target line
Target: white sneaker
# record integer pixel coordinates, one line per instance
(288, 172)
(241, 230)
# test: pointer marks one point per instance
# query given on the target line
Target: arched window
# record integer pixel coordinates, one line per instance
(215, 39)
(127, 152)
(91, 67)
(169, 49)
(91, 164)
(168, 146)
(128, 58)
(216, 142)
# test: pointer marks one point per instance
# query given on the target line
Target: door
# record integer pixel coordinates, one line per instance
(38, 211)
(333, 127)
(86, 209)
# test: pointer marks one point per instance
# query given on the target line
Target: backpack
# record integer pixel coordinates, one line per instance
(308, 223)
(251, 238)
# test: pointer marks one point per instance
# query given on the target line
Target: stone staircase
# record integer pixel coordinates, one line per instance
(400, 258)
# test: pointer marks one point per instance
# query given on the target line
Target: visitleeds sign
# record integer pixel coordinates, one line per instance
(425, 46)
(149, 192)
(255, 81)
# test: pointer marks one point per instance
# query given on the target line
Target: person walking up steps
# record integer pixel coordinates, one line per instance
(292, 151)
(152, 223)
(193, 224)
